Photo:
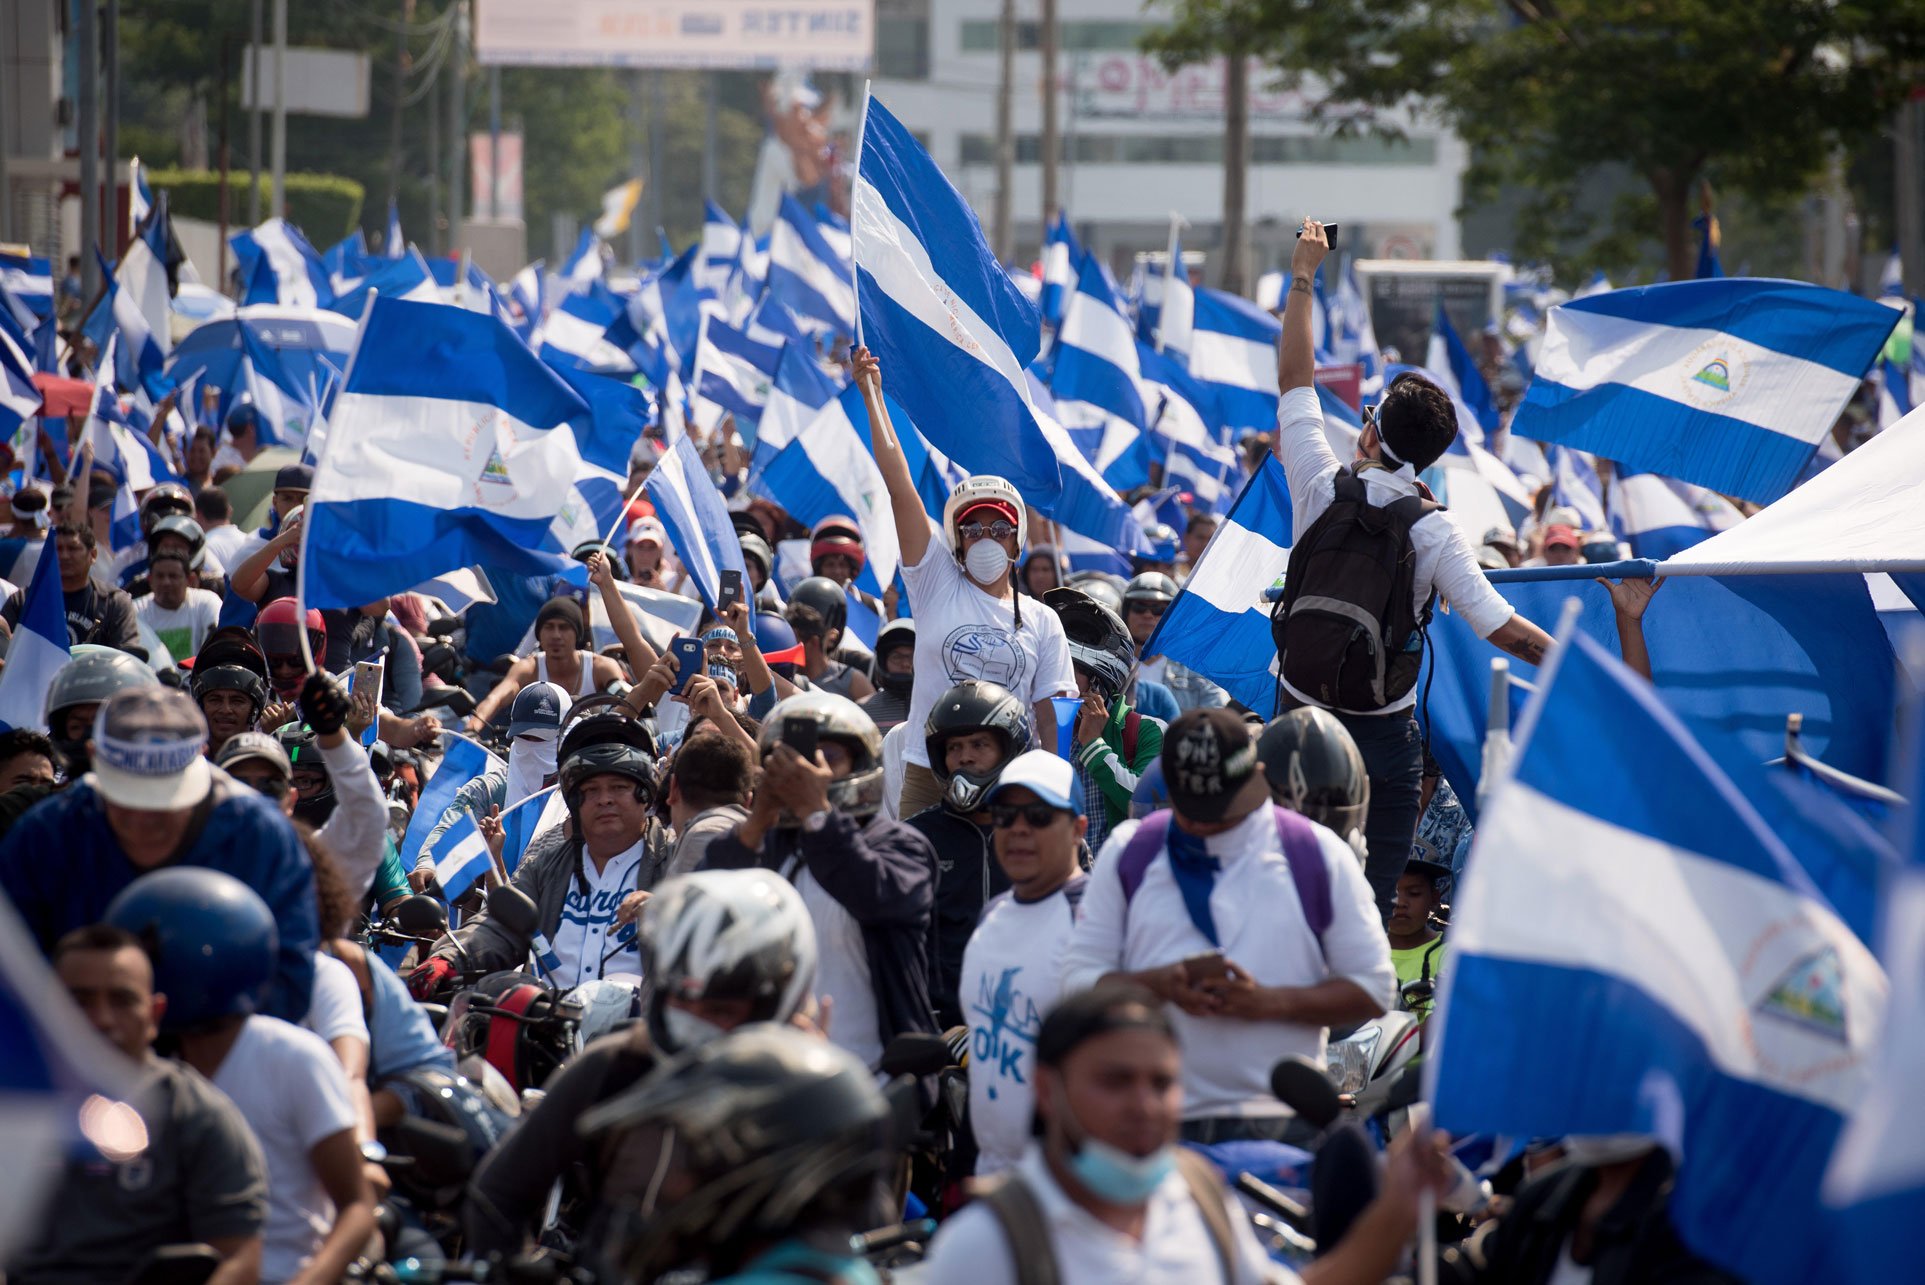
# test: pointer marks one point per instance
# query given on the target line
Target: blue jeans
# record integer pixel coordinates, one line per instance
(1393, 751)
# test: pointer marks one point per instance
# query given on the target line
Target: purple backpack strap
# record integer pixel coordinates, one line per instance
(1308, 873)
(1143, 847)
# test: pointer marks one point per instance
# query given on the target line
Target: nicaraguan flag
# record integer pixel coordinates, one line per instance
(1174, 322)
(576, 332)
(464, 761)
(807, 274)
(734, 380)
(797, 394)
(397, 276)
(461, 858)
(141, 305)
(1574, 484)
(828, 469)
(525, 296)
(38, 651)
(541, 811)
(347, 263)
(450, 444)
(1095, 375)
(1184, 421)
(1233, 352)
(696, 516)
(277, 265)
(1450, 360)
(721, 250)
(1726, 383)
(1061, 256)
(1352, 336)
(769, 326)
(1219, 624)
(19, 399)
(287, 409)
(584, 262)
(29, 278)
(1661, 516)
(1664, 968)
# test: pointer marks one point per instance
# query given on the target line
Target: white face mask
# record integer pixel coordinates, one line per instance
(686, 1029)
(985, 561)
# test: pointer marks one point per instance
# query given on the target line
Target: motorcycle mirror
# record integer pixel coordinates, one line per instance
(915, 1053)
(514, 910)
(1303, 1086)
(421, 916)
(1419, 991)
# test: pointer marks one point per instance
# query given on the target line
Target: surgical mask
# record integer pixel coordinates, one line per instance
(1593, 1149)
(689, 1031)
(985, 561)
(1112, 1174)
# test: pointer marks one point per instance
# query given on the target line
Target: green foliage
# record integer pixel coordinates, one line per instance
(324, 206)
(1753, 96)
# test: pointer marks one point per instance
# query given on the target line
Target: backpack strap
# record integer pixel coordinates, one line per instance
(1206, 1189)
(1303, 853)
(1144, 846)
(1020, 1215)
(1347, 486)
(1132, 723)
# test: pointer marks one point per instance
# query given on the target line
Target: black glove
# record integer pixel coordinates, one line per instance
(324, 703)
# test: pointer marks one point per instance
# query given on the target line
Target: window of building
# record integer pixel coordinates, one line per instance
(1207, 149)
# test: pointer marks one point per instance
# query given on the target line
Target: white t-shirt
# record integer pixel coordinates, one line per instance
(842, 971)
(293, 1093)
(588, 929)
(1261, 927)
(334, 1011)
(1445, 561)
(226, 542)
(181, 629)
(1176, 1248)
(1011, 976)
(963, 633)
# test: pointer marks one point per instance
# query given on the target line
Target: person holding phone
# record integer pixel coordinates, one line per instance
(971, 620)
(1253, 924)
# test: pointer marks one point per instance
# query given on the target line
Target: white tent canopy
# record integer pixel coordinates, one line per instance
(1864, 513)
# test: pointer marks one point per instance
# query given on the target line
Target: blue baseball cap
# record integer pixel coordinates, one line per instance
(1044, 775)
(538, 707)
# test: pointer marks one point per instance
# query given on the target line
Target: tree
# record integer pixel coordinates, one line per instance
(1232, 29)
(1756, 96)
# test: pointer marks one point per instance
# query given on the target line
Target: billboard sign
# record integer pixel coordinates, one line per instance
(826, 35)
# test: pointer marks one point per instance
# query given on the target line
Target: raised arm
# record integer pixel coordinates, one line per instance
(250, 578)
(912, 524)
(640, 654)
(1296, 350)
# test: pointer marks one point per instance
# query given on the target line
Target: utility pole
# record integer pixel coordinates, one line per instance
(87, 35)
(401, 64)
(110, 57)
(644, 148)
(1052, 135)
(457, 68)
(657, 166)
(1236, 171)
(1909, 207)
(434, 163)
(280, 109)
(712, 94)
(256, 49)
(1005, 231)
(494, 142)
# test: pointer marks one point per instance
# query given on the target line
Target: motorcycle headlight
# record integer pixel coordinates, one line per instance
(1349, 1059)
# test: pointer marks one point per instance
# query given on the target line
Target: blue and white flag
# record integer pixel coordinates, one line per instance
(29, 278)
(696, 516)
(520, 823)
(1095, 378)
(397, 276)
(450, 444)
(277, 265)
(526, 296)
(461, 858)
(1167, 326)
(347, 263)
(1665, 968)
(1726, 383)
(1455, 370)
(1184, 421)
(576, 332)
(1219, 624)
(1661, 516)
(735, 380)
(721, 249)
(38, 651)
(464, 761)
(1352, 336)
(806, 273)
(584, 263)
(1061, 258)
(286, 408)
(19, 399)
(1233, 352)
(828, 469)
(798, 392)
(393, 244)
(140, 301)
(1574, 484)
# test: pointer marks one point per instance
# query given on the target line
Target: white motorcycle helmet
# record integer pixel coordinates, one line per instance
(983, 489)
(725, 935)
(607, 1004)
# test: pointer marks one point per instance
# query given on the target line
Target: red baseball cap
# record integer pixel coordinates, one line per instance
(1563, 535)
(997, 506)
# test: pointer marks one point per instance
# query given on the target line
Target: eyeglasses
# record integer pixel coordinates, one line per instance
(1148, 607)
(1036, 816)
(1000, 529)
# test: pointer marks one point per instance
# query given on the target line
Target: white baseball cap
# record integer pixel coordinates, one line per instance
(1043, 774)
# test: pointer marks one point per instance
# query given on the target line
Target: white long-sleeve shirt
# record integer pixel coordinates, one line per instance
(1261, 927)
(357, 829)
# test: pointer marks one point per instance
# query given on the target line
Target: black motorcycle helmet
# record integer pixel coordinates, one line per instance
(776, 1134)
(1099, 641)
(230, 660)
(973, 706)
(1315, 768)
(606, 739)
(828, 600)
(891, 637)
(304, 754)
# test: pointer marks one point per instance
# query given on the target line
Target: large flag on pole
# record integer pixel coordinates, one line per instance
(828, 470)
(450, 444)
(38, 651)
(1728, 383)
(1665, 968)
(696, 516)
(142, 304)
(277, 265)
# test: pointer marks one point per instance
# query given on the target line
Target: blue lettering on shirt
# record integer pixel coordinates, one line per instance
(1004, 1037)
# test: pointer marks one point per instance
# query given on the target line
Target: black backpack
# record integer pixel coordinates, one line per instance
(1346, 620)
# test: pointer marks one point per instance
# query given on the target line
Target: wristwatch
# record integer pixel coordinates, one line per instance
(814, 822)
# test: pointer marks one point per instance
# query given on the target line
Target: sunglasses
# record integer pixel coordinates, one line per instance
(1000, 529)
(1148, 608)
(1036, 816)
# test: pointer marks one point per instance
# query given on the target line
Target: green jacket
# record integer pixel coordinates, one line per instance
(1108, 763)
